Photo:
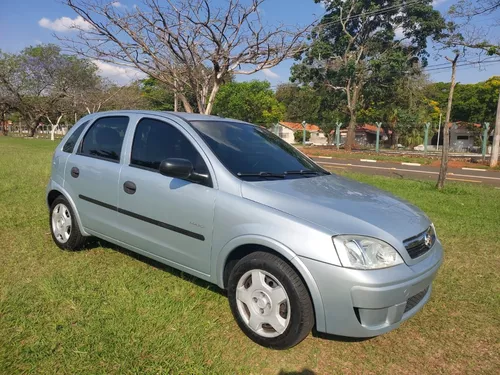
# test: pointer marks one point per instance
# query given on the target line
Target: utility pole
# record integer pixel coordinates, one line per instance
(496, 138)
(379, 124)
(439, 131)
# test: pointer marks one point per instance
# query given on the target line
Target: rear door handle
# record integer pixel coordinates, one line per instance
(75, 172)
(129, 187)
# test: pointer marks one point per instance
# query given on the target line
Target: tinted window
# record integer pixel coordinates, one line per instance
(71, 142)
(155, 141)
(246, 149)
(105, 138)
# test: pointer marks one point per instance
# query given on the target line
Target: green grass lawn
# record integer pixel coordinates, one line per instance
(106, 311)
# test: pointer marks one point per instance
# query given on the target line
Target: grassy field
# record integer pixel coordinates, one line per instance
(104, 310)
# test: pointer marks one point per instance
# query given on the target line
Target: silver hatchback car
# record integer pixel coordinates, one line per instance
(231, 203)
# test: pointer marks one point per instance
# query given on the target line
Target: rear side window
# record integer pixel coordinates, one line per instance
(156, 140)
(71, 142)
(104, 139)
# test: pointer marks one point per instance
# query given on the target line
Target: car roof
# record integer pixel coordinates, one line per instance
(183, 115)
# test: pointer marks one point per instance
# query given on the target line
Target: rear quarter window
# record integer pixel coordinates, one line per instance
(69, 146)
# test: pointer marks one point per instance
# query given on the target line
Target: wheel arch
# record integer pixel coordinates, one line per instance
(244, 245)
(55, 190)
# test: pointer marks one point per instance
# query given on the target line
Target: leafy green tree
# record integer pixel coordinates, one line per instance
(474, 102)
(252, 101)
(301, 103)
(356, 41)
(42, 82)
(299, 136)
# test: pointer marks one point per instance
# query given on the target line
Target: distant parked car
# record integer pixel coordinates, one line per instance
(231, 203)
(419, 148)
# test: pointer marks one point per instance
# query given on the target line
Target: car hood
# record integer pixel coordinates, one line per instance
(341, 205)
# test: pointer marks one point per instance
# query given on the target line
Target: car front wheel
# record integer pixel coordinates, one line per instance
(269, 301)
(63, 226)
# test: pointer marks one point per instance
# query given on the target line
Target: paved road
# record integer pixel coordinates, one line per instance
(407, 170)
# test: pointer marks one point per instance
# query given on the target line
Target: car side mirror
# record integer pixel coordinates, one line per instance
(178, 168)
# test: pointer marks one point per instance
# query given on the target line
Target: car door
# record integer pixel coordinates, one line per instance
(166, 216)
(91, 174)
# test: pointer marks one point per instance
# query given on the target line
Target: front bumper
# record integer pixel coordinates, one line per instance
(366, 303)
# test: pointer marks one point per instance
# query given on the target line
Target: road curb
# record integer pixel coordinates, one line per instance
(412, 164)
(474, 169)
(325, 157)
(368, 160)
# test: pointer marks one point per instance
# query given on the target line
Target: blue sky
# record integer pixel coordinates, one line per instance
(29, 22)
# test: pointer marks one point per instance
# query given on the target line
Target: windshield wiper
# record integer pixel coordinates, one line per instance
(305, 171)
(261, 174)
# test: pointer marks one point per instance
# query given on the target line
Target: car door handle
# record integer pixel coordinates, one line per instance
(75, 172)
(129, 187)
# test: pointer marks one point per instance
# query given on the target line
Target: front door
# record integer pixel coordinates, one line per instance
(165, 216)
(92, 173)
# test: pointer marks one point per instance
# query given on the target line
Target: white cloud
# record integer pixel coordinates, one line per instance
(270, 74)
(117, 4)
(118, 74)
(65, 24)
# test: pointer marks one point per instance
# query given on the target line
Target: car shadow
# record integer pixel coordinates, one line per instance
(330, 337)
(93, 243)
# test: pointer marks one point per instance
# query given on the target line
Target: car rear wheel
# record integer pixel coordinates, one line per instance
(269, 301)
(63, 226)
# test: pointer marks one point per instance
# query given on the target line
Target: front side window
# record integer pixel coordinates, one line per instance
(155, 141)
(104, 139)
(73, 138)
(250, 151)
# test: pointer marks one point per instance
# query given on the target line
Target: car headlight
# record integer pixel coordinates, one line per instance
(365, 253)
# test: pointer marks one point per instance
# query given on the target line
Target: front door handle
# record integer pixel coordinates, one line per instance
(75, 172)
(129, 187)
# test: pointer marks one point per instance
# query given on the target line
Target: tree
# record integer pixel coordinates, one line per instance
(252, 101)
(40, 80)
(354, 36)
(443, 169)
(478, 38)
(299, 136)
(189, 45)
(301, 103)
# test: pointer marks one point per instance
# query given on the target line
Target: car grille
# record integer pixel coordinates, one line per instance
(416, 246)
(415, 300)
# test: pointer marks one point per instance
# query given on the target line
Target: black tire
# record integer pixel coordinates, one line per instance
(301, 318)
(76, 240)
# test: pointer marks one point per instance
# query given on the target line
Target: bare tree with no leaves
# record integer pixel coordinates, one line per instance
(187, 45)
(446, 130)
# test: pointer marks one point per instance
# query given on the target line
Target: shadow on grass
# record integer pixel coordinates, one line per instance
(305, 371)
(94, 242)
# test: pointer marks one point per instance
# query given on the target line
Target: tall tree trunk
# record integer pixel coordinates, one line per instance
(446, 130)
(496, 138)
(185, 103)
(351, 132)
(211, 99)
(33, 129)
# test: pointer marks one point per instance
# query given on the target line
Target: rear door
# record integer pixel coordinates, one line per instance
(92, 173)
(165, 216)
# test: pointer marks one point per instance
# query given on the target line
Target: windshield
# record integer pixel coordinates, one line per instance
(253, 152)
